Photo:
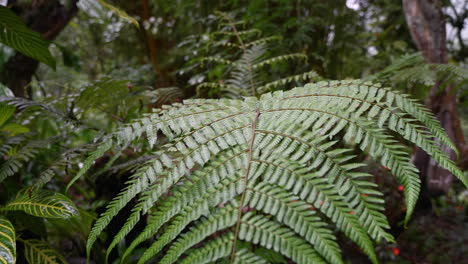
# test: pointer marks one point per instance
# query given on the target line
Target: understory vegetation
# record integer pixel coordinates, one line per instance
(231, 132)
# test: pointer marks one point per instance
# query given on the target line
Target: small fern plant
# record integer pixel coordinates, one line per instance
(274, 172)
(251, 70)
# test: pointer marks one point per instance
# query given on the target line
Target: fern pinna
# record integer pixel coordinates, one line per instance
(270, 172)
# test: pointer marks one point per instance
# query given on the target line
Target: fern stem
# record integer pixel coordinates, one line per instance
(244, 49)
(246, 179)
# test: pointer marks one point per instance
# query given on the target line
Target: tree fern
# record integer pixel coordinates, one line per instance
(244, 75)
(412, 68)
(276, 172)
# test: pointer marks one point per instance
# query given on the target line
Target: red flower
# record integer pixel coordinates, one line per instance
(459, 208)
(364, 194)
(401, 188)
(396, 251)
(352, 212)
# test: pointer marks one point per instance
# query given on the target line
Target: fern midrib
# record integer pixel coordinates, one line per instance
(206, 125)
(246, 179)
(304, 216)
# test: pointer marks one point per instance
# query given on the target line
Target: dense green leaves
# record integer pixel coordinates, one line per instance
(14, 33)
(37, 251)
(286, 157)
(7, 242)
(43, 204)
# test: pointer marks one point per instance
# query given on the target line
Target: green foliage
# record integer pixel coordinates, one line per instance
(253, 71)
(276, 172)
(121, 13)
(37, 251)
(412, 69)
(43, 146)
(100, 9)
(7, 242)
(14, 33)
(42, 204)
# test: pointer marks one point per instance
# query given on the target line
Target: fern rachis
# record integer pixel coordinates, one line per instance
(258, 170)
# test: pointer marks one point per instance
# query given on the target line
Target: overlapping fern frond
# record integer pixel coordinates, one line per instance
(275, 172)
(413, 68)
(245, 73)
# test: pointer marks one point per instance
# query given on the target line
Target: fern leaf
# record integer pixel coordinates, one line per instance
(276, 160)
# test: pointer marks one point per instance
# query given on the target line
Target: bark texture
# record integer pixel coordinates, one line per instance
(427, 26)
(46, 17)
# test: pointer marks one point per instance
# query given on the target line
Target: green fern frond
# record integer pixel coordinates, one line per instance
(261, 41)
(269, 172)
(302, 77)
(17, 154)
(218, 60)
(277, 59)
(215, 249)
(242, 76)
(240, 33)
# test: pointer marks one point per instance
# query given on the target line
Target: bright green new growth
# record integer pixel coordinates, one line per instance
(276, 172)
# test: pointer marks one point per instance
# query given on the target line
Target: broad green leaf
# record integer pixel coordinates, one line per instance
(119, 12)
(43, 204)
(5, 91)
(14, 129)
(15, 34)
(6, 111)
(7, 242)
(39, 252)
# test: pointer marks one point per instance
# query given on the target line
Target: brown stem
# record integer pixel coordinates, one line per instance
(246, 179)
(150, 41)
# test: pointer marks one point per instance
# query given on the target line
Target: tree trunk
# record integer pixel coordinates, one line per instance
(46, 17)
(427, 26)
